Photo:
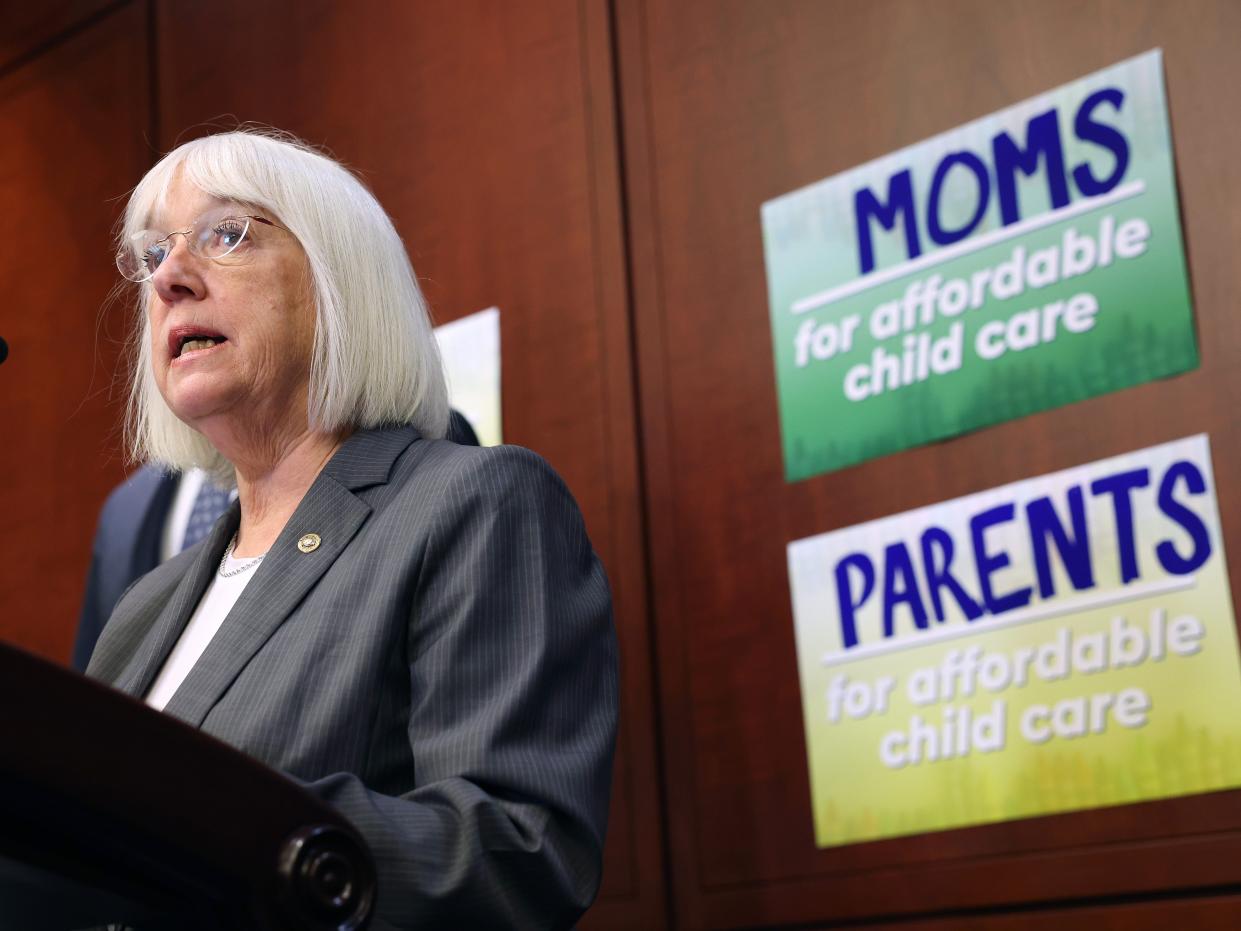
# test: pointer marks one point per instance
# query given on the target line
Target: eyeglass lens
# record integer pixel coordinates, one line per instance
(214, 235)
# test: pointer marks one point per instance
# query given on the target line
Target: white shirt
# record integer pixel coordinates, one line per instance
(214, 606)
(179, 513)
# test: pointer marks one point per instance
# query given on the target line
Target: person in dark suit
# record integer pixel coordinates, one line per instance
(126, 546)
(132, 536)
(419, 632)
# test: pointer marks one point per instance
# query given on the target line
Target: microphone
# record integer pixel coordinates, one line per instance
(4, 349)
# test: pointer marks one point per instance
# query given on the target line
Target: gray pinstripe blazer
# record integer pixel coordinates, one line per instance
(442, 669)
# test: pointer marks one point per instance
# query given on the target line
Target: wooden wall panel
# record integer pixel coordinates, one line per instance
(73, 144)
(726, 105)
(488, 132)
(28, 29)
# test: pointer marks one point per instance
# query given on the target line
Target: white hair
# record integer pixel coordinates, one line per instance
(375, 360)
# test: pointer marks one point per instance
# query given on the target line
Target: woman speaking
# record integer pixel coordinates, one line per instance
(418, 631)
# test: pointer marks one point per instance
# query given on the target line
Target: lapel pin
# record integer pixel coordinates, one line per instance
(309, 542)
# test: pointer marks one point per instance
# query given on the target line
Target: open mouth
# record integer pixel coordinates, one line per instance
(195, 343)
(187, 340)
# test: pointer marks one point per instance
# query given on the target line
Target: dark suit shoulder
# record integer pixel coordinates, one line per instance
(495, 476)
(134, 495)
(126, 545)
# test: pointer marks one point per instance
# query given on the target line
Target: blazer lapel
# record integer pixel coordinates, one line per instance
(137, 677)
(329, 510)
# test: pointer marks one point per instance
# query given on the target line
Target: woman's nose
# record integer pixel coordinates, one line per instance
(178, 276)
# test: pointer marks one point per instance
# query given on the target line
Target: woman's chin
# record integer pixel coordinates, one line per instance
(194, 405)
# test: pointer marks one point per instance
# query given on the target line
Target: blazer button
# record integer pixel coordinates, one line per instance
(309, 543)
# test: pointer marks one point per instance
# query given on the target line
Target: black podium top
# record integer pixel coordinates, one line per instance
(113, 813)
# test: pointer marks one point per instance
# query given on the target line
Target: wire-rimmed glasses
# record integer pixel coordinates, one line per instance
(220, 234)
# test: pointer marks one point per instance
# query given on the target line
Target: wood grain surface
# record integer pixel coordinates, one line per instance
(73, 145)
(727, 105)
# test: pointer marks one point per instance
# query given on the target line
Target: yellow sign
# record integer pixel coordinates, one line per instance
(1060, 643)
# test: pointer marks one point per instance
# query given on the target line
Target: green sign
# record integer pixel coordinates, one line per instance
(1026, 260)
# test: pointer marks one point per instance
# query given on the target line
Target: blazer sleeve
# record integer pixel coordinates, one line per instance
(512, 666)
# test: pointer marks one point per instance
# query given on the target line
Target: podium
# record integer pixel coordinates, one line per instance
(112, 813)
